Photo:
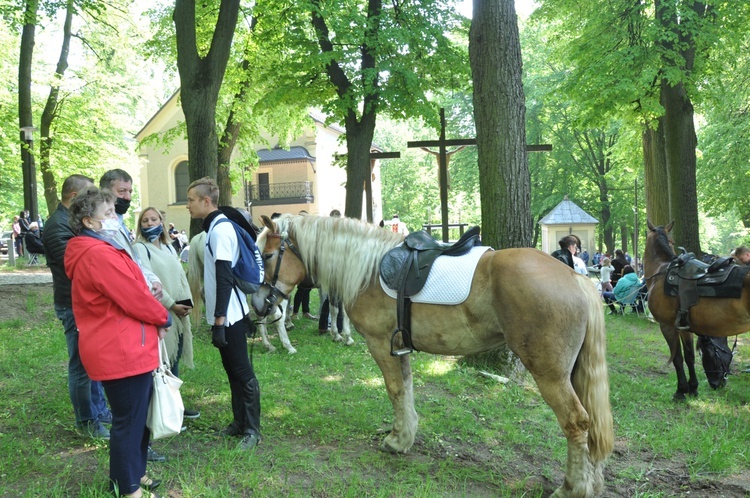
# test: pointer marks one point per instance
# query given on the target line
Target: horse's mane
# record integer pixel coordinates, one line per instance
(343, 254)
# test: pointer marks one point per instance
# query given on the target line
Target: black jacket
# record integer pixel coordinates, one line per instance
(565, 256)
(57, 233)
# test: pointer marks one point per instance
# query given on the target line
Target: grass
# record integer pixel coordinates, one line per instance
(325, 413)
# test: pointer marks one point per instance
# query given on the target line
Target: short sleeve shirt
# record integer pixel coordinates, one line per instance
(223, 242)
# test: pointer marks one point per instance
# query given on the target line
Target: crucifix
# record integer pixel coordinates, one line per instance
(443, 157)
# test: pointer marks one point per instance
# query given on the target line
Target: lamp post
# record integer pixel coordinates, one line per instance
(29, 172)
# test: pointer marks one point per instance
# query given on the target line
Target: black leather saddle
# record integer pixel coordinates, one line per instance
(405, 269)
(689, 279)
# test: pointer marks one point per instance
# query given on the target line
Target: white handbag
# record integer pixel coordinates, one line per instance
(165, 410)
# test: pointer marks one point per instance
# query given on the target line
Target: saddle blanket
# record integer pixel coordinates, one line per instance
(449, 281)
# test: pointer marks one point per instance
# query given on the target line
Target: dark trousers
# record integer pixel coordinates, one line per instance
(128, 443)
(302, 297)
(325, 311)
(242, 380)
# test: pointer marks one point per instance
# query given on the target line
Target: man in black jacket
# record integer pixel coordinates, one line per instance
(87, 396)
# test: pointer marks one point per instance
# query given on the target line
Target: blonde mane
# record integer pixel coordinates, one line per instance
(342, 254)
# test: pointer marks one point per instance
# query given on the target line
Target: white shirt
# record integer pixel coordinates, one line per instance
(579, 266)
(223, 241)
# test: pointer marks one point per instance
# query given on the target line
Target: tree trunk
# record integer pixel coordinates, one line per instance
(200, 82)
(680, 143)
(25, 113)
(358, 143)
(226, 146)
(50, 113)
(656, 178)
(499, 114)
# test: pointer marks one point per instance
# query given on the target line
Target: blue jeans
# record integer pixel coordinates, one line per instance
(87, 396)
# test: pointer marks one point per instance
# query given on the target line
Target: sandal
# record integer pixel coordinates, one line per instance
(149, 484)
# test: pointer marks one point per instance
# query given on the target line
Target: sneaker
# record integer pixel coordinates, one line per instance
(94, 429)
(309, 316)
(294, 316)
(230, 431)
(249, 441)
(192, 414)
(154, 456)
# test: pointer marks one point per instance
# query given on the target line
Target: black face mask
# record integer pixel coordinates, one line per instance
(122, 206)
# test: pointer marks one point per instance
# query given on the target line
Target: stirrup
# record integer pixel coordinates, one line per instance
(404, 351)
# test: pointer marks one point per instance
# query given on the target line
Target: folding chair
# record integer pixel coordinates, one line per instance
(636, 300)
(34, 259)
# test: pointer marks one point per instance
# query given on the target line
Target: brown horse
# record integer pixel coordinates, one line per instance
(717, 317)
(547, 314)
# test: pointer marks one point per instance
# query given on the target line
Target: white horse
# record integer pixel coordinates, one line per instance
(195, 278)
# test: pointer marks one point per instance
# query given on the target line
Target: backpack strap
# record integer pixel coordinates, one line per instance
(148, 253)
(208, 244)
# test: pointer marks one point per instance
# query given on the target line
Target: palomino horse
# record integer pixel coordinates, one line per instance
(195, 278)
(717, 317)
(547, 314)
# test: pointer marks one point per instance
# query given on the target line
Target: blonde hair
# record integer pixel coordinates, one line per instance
(163, 238)
(606, 262)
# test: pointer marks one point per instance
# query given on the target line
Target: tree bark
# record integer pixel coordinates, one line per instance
(25, 112)
(499, 114)
(200, 82)
(50, 113)
(656, 178)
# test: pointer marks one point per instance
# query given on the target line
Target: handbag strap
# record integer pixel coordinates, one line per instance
(163, 356)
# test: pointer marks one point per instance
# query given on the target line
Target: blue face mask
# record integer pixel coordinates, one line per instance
(152, 233)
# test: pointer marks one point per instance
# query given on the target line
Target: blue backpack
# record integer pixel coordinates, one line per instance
(248, 272)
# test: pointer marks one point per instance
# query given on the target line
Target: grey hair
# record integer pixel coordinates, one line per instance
(85, 203)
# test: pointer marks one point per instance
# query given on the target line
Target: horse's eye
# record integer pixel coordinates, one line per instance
(267, 256)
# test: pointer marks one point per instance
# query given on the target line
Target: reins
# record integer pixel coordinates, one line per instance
(276, 293)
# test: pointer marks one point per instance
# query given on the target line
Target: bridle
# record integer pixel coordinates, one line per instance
(275, 294)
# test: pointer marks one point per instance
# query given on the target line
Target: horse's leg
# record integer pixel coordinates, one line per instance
(557, 391)
(399, 385)
(284, 308)
(261, 326)
(688, 346)
(334, 311)
(673, 340)
(278, 316)
(347, 332)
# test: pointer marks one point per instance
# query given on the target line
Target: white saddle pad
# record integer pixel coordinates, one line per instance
(449, 281)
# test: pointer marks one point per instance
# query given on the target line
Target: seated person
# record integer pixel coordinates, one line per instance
(626, 291)
(33, 239)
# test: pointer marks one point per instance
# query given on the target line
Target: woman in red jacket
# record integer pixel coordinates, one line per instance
(119, 324)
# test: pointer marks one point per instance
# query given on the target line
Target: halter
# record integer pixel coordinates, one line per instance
(276, 294)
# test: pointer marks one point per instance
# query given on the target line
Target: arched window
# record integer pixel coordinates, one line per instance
(181, 181)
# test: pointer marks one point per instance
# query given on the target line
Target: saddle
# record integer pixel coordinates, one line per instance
(405, 269)
(689, 278)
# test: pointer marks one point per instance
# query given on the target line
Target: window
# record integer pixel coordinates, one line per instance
(181, 181)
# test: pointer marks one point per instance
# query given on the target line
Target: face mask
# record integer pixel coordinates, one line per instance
(122, 206)
(109, 229)
(152, 233)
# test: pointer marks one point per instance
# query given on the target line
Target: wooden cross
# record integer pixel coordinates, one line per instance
(442, 144)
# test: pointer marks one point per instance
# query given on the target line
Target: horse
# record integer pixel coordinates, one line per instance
(714, 317)
(548, 315)
(195, 279)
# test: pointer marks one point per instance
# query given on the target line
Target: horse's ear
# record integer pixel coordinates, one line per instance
(650, 225)
(668, 228)
(268, 223)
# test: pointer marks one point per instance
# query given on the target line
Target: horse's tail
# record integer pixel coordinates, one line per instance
(591, 379)
(195, 275)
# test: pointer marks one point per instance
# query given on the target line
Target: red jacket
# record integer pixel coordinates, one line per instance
(116, 315)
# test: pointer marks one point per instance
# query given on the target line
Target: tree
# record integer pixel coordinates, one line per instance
(25, 112)
(357, 59)
(499, 113)
(200, 81)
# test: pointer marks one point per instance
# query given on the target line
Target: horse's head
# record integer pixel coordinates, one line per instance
(659, 243)
(283, 264)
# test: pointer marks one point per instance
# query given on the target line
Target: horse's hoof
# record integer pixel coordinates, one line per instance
(292, 351)
(349, 342)
(679, 396)
(271, 349)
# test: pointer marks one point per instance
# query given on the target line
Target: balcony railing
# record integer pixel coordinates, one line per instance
(279, 193)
